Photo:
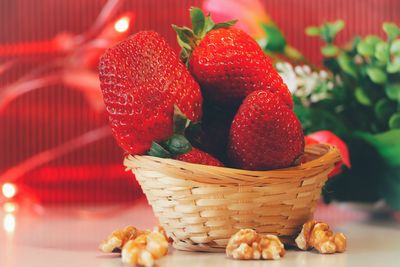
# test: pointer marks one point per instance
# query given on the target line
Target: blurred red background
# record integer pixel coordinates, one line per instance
(53, 115)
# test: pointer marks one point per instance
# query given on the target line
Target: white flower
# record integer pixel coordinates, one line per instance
(288, 75)
(310, 86)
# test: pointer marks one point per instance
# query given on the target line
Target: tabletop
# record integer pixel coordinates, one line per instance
(33, 235)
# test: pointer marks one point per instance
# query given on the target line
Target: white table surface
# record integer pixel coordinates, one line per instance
(56, 237)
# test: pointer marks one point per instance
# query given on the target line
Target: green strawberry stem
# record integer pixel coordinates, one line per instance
(177, 143)
(156, 150)
(188, 39)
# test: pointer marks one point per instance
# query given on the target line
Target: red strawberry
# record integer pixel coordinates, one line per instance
(265, 134)
(227, 62)
(199, 157)
(141, 80)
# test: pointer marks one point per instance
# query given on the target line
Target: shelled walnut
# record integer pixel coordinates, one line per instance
(247, 244)
(117, 239)
(161, 230)
(319, 236)
(138, 247)
(145, 249)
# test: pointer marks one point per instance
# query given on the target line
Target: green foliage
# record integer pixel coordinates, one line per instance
(188, 38)
(276, 41)
(156, 150)
(326, 31)
(391, 29)
(329, 50)
(364, 109)
(177, 143)
(394, 121)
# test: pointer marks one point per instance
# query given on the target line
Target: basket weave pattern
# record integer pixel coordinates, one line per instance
(202, 206)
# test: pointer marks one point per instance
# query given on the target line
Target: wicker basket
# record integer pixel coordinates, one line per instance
(202, 206)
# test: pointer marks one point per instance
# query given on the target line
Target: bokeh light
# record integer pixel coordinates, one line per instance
(9, 190)
(9, 207)
(9, 223)
(122, 24)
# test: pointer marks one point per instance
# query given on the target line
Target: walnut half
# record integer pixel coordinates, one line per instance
(145, 249)
(118, 238)
(138, 247)
(319, 236)
(247, 244)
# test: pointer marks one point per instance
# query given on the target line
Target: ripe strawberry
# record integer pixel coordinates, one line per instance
(199, 157)
(141, 80)
(265, 134)
(227, 62)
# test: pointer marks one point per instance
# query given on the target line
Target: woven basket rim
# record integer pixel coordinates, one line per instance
(327, 156)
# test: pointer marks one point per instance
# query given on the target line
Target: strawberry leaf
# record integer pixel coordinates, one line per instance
(184, 54)
(225, 24)
(178, 144)
(186, 37)
(198, 20)
(208, 26)
(156, 150)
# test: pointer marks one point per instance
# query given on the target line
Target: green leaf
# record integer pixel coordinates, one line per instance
(395, 47)
(383, 109)
(354, 43)
(393, 91)
(393, 67)
(208, 24)
(178, 144)
(275, 40)
(372, 40)
(225, 24)
(184, 46)
(365, 49)
(184, 54)
(391, 30)
(337, 26)
(381, 52)
(376, 75)
(156, 150)
(198, 20)
(329, 50)
(362, 97)
(394, 121)
(186, 36)
(387, 145)
(313, 31)
(347, 65)
(326, 33)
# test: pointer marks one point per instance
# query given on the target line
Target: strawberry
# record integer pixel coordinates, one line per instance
(265, 134)
(227, 62)
(141, 80)
(199, 157)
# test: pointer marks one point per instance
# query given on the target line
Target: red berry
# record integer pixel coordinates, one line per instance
(265, 134)
(199, 157)
(229, 65)
(141, 80)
